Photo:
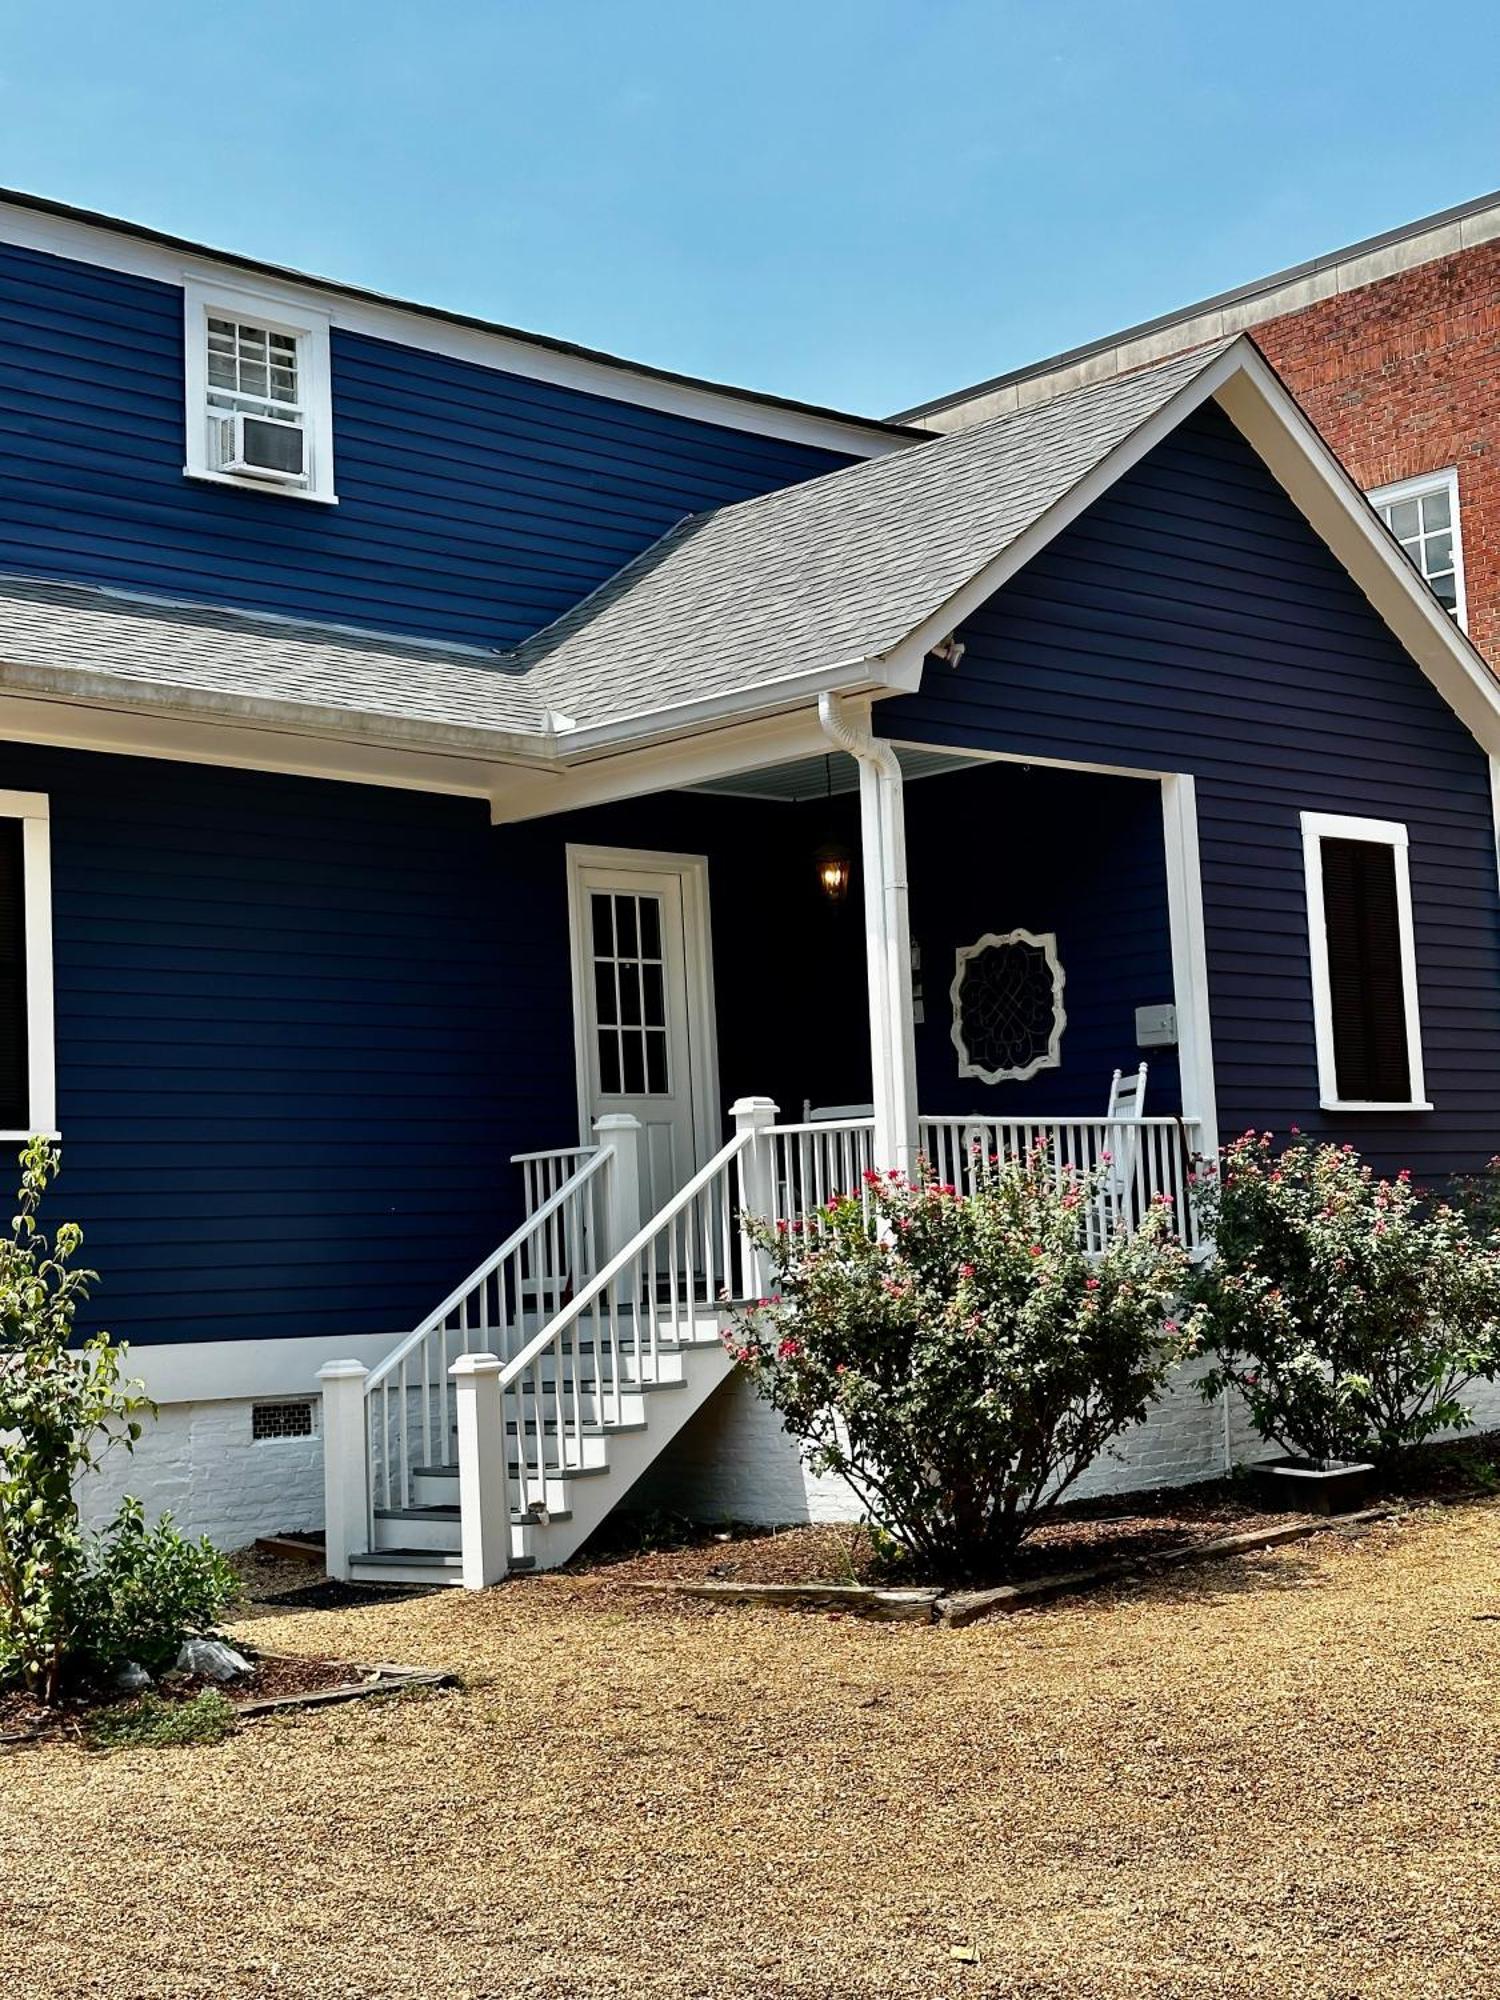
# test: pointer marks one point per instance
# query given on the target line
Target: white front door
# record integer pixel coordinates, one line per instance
(643, 1005)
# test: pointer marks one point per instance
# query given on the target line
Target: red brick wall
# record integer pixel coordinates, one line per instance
(1403, 377)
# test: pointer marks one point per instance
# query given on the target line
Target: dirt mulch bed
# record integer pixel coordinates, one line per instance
(845, 1555)
(24, 1719)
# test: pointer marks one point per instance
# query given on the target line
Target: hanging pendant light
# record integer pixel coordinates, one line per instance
(833, 873)
(832, 860)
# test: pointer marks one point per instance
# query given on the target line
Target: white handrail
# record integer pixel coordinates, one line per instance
(516, 1240)
(643, 1239)
(530, 1271)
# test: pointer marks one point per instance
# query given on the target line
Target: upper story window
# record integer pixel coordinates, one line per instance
(259, 413)
(1364, 964)
(1423, 516)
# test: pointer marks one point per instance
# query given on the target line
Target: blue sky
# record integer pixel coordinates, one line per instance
(861, 204)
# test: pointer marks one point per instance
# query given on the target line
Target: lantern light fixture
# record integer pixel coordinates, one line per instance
(833, 873)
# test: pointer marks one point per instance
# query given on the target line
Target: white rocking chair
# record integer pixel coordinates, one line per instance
(1122, 1141)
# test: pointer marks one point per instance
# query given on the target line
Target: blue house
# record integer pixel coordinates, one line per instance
(478, 816)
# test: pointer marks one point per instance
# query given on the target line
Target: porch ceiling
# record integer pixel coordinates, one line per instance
(825, 777)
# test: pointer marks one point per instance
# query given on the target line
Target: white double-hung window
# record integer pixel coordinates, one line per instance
(1364, 964)
(259, 409)
(1423, 516)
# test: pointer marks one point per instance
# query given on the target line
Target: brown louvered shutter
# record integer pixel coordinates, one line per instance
(1364, 971)
(15, 1108)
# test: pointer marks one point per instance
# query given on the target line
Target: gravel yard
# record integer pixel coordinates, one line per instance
(1275, 1776)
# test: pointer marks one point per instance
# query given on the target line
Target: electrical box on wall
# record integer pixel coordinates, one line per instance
(1156, 1027)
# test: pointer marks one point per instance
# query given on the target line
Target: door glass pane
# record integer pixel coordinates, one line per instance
(630, 995)
(630, 999)
(609, 1063)
(635, 1063)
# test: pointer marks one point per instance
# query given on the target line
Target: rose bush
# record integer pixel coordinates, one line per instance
(959, 1360)
(1349, 1313)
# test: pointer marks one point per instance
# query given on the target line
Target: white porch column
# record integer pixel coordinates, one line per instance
(346, 1465)
(622, 1180)
(882, 820)
(483, 1489)
(757, 1164)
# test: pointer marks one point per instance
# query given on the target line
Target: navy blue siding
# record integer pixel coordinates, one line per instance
(474, 505)
(1191, 621)
(1006, 848)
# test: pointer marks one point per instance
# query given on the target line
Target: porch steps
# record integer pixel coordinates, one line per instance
(420, 1542)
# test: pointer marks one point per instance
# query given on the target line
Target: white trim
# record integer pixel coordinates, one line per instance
(233, 1371)
(511, 352)
(1443, 481)
(691, 872)
(33, 809)
(1195, 1041)
(277, 314)
(1051, 1056)
(1316, 828)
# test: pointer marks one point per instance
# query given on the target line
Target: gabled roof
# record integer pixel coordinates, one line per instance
(838, 571)
(844, 583)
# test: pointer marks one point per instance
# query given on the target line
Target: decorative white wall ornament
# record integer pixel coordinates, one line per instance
(1008, 1016)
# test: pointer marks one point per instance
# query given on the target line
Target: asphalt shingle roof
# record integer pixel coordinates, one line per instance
(840, 569)
(832, 573)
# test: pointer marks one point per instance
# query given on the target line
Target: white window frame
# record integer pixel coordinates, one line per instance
(309, 328)
(33, 811)
(1445, 481)
(1316, 828)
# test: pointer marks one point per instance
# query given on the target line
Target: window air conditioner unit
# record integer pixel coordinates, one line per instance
(257, 447)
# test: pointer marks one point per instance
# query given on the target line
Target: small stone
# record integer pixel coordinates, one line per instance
(964, 1953)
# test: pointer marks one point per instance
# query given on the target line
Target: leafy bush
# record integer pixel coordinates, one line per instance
(67, 1598)
(1349, 1315)
(146, 1590)
(959, 1360)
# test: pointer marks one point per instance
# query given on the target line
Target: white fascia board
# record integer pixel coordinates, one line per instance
(1266, 415)
(126, 694)
(691, 760)
(129, 733)
(93, 243)
(1262, 409)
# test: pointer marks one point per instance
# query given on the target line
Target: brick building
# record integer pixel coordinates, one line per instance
(1392, 346)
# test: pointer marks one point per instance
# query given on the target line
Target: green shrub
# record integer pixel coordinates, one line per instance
(1350, 1315)
(147, 1589)
(72, 1602)
(960, 1360)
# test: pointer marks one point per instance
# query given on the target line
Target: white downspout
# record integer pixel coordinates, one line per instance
(882, 824)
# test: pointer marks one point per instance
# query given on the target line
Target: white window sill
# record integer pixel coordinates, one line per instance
(1364, 1104)
(268, 486)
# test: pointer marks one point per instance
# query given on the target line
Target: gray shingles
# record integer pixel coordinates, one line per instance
(832, 573)
(840, 569)
(239, 657)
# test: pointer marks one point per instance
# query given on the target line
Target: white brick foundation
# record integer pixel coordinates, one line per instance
(199, 1464)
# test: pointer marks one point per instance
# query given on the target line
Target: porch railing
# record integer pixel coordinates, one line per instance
(1136, 1160)
(409, 1397)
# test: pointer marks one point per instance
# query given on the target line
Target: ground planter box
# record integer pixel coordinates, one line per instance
(1296, 1485)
